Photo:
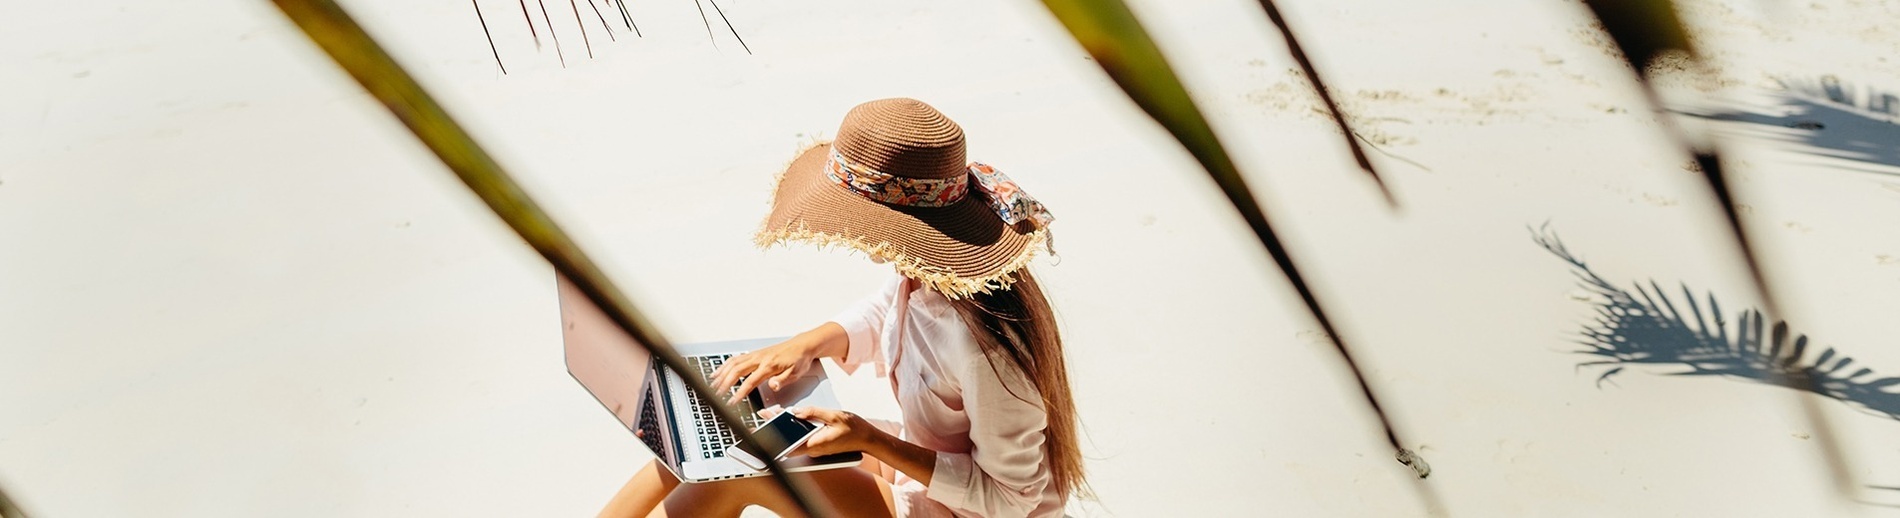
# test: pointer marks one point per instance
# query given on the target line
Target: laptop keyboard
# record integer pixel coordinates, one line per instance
(649, 426)
(714, 437)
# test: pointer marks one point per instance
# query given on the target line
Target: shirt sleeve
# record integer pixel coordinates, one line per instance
(863, 323)
(1004, 474)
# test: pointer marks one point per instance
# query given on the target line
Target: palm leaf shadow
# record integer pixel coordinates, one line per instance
(1646, 326)
(1834, 118)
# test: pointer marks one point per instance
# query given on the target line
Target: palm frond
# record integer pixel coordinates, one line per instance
(583, 27)
(603, 20)
(530, 19)
(703, 20)
(339, 36)
(1642, 31)
(551, 33)
(1326, 97)
(491, 37)
(728, 21)
(1644, 325)
(628, 18)
(1110, 33)
(9, 509)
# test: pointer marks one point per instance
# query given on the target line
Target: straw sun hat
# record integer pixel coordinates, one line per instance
(895, 185)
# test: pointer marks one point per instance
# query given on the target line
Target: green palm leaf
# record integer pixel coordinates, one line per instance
(8, 509)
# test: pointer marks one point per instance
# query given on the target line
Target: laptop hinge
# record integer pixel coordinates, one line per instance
(672, 419)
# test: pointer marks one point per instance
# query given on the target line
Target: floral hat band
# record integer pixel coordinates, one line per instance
(1006, 198)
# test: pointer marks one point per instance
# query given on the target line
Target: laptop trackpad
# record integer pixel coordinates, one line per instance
(714, 468)
(813, 390)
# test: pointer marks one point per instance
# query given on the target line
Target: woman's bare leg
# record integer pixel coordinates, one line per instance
(882, 470)
(642, 494)
(849, 491)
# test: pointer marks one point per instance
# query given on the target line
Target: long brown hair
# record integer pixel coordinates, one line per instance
(1018, 324)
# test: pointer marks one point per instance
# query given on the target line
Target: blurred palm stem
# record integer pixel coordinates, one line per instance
(8, 509)
(1325, 96)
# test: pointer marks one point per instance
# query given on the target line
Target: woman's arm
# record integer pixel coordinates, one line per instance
(828, 340)
(915, 461)
(782, 361)
(850, 337)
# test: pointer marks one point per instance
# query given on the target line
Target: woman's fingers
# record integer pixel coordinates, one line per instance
(823, 415)
(783, 377)
(739, 372)
(822, 442)
(727, 374)
(750, 382)
(770, 412)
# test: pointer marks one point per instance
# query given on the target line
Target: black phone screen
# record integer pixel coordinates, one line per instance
(776, 436)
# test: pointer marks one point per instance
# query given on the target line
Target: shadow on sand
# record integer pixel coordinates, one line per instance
(1835, 119)
(1647, 327)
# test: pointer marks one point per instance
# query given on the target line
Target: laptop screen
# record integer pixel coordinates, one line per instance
(611, 366)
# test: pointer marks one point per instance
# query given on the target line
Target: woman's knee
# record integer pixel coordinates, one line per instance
(642, 493)
(850, 492)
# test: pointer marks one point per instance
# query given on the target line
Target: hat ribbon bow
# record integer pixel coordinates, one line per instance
(1008, 199)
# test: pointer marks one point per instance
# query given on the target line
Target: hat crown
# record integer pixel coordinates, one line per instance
(902, 137)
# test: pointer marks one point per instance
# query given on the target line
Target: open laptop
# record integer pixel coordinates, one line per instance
(654, 402)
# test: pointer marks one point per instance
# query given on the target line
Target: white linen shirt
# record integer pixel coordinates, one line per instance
(989, 442)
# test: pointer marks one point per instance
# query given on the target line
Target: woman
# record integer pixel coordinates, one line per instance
(963, 333)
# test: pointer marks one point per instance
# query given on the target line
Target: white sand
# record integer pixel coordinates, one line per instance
(234, 286)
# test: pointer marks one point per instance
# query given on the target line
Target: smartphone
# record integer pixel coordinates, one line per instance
(776, 438)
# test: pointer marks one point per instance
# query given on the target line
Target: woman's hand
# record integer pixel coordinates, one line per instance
(779, 363)
(843, 432)
(846, 432)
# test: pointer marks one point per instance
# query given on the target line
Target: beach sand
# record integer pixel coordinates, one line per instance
(235, 286)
